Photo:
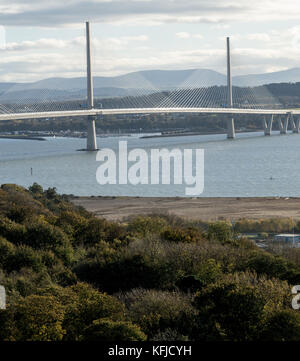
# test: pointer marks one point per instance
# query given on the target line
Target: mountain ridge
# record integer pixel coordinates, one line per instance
(137, 83)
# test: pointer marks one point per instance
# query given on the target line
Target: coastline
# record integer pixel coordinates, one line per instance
(206, 209)
(215, 132)
(21, 137)
(42, 135)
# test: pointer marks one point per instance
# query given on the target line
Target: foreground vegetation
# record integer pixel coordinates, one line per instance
(71, 276)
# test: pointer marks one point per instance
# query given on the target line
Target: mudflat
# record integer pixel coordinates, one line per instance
(207, 209)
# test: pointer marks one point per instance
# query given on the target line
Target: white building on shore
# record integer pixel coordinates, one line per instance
(289, 238)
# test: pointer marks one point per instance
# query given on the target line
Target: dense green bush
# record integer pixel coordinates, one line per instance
(273, 266)
(235, 307)
(141, 226)
(183, 235)
(221, 232)
(281, 326)
(85, 305)
(113, 331)
(34, 318)
(122, 274)
(71, 276)
(158, 311)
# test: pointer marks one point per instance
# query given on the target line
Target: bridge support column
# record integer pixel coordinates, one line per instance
(296, 126)
(91, 144)
(283, 126)
(280, 125)
(230, 121)
(267, 125)
(230, 129)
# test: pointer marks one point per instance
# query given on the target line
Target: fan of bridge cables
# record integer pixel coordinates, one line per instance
(31, 98)
(196, 89)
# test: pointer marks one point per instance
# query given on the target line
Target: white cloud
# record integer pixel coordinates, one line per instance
(183, 35)
(259, 37)
(124, 49)
(33, 12)
(35, 65)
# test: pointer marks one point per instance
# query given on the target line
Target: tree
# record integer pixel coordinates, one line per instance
(51, 193)
(221, 232)
(36, 189)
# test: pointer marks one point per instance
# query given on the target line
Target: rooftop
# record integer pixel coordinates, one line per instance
(287, 235)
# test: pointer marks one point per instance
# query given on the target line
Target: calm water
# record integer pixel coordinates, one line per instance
(243, 167)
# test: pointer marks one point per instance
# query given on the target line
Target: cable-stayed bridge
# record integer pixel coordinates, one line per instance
(196, 94)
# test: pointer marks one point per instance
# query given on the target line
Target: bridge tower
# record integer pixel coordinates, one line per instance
(230, 122)
(91, 129)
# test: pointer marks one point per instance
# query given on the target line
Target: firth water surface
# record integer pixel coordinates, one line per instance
(251, 165)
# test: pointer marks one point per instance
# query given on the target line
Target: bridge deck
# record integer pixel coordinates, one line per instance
(76, 113)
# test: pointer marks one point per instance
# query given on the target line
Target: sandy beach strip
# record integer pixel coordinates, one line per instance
(207, 209)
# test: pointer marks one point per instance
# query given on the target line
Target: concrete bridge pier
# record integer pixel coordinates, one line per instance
(91, 144)
(230, 129)
(280, 126)
(296, 126)
(286, 123)
(267, 125)
(283, 126)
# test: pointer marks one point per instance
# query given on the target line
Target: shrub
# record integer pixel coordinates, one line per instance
(19, 214)
(96, 230)
(12, 231)
(156, 311)
(235, 307)
(7, 250)
(37, 318)
(209, 272)
(273, 266)
(185, 235)
(234, 312)
(146, 225)
(42, 235)
(24, 257)
(113, 331)
(221, 232)
(281, 326)
(86, 305)
(123, 274)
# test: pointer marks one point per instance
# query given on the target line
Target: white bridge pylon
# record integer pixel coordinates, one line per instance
(284, 116)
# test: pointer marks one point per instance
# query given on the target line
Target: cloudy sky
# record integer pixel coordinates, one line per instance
(41, 39)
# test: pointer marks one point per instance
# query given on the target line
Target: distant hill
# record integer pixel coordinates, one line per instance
(137, 83)
(285, 76)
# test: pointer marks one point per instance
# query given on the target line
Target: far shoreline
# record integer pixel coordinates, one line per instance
(21, 137)
(43, 136)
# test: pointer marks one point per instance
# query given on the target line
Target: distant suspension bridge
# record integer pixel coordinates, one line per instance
(189, 98)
